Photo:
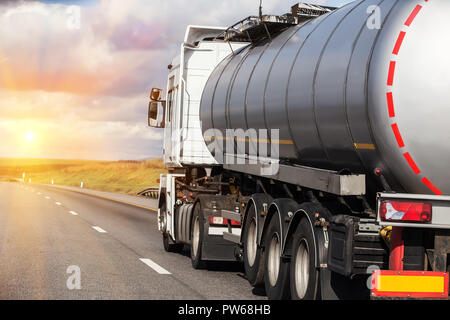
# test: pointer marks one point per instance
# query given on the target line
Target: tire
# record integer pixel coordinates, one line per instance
(197, 232)
(276, 271)
(169, 246)
(253, 255)
(304, 275)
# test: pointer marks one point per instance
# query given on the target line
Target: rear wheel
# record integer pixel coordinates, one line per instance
(197, 238)
(276, 271)
(304, 275)
(168, 244)
(253, 255)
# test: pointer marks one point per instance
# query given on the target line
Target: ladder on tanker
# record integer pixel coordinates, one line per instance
(256, 28)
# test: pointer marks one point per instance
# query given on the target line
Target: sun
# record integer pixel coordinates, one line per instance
(29, 136)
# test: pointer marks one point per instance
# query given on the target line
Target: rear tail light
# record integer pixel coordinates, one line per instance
(223, 221)
(235, 223)
(405, 211)
(217, 220)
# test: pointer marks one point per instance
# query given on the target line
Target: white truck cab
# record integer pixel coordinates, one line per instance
(199, 55)
(202, 50)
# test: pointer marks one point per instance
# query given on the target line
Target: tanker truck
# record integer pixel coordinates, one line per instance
(314, 148)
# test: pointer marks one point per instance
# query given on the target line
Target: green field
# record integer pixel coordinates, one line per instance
(127, 177)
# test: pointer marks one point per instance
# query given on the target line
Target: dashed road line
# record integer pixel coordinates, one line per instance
(99, 229)
(155, 266)
(58, 203)
(73, 212)
(47, 197)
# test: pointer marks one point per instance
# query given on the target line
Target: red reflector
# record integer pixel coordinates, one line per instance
(235, 223)
(223, 221)
(403, 211)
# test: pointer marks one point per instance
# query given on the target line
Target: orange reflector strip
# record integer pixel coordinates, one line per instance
(414, 284)
(364, 146)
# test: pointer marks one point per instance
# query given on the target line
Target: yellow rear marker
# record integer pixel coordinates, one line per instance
(410, 284)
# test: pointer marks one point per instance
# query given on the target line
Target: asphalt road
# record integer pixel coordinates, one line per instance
(58, 244)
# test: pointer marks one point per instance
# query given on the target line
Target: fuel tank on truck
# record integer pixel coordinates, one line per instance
(363, 87)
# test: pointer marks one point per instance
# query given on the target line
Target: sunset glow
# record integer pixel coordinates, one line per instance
(30, 137)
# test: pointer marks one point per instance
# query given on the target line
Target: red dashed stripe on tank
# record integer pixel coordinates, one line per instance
(390, 101)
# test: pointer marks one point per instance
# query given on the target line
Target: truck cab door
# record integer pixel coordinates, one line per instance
(170, 125)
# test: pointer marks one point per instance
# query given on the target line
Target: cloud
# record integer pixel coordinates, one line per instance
(119, 47)
(85, 90)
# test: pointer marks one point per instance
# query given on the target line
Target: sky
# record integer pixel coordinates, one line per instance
(75, 75)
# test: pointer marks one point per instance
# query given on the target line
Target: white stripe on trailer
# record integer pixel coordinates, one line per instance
(218, 231)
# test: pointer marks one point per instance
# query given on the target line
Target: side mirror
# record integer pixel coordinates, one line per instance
(156, 94)
(156, 114)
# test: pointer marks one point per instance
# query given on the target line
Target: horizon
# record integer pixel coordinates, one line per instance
(75, 159)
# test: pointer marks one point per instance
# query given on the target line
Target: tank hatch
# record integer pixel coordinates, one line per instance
(256, 28)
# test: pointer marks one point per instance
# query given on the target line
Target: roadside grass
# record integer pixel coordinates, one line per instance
(127, 177)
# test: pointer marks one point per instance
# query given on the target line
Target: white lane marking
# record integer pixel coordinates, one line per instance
(47, 197)
(99, 229)
(73, 212)
(155, 266)
(39, 193)
(58, 203)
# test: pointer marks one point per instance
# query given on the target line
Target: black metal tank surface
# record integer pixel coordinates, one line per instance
(366, 86)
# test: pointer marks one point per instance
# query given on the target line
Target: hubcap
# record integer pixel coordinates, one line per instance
(251, 243)
(302, 269)
(196, 236)
(163, 222)
(274, 259)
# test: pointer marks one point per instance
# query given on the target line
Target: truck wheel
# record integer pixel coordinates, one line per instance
(253, 256)
(276, 271)
(167, 243)
(197, 238)
(304, 275)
